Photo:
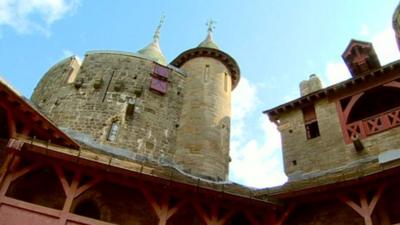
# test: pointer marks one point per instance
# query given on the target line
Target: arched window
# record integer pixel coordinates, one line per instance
(112, 134)
(374, 102)
(88, 208)
(4, 124)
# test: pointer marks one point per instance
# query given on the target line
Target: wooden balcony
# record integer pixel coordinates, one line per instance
(372, 125)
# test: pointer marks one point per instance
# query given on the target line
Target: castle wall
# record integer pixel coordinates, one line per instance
(114, 88)
(56, 77)
(328, 152)
(203, 135)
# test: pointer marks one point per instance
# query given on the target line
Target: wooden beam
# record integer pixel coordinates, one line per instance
(365, 209)
(70, 197)
(62, 178)
(212, 219)
(162, 208)
(281, 220)
(25, 170)
(5, 166)
(251, 218)
(87, 186)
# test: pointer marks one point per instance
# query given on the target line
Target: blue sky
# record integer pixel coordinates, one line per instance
(277, 43)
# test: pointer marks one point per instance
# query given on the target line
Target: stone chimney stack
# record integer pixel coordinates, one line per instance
(311, 85)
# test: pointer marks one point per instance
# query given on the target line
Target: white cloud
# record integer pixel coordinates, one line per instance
(364, 31)
(385, 46)
(336, 72)
(259, 163)
(257, 160)
(67, 53)
(244, 101)
(34, 15)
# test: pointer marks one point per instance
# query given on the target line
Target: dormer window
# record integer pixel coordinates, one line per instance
(310, 122)
(360, 57)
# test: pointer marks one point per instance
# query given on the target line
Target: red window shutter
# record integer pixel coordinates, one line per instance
(309, 114)
(161, 71)
(158, 85)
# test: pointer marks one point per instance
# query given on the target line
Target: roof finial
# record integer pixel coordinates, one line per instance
(153, 50)
(211, 25)
(156, 36)
(209, 42)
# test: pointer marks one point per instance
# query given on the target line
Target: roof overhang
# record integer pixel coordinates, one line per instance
(274, 113)
(21, 108)
(221, 56)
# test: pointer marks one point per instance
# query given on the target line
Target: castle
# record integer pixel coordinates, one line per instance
(127, 138)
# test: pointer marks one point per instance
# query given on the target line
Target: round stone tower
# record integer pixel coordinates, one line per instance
(135, 105)
(204, 128)
(396, 24)
(123, 103)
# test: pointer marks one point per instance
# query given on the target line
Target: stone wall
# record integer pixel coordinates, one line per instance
(113, 87)
(328, 152)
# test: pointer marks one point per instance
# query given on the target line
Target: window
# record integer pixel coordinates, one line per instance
(158, 85)
(312, 130)
(130, 111)
(112, 135)
(226, 82)
(159, 79)
(310, 122)
(161, 71)
(206, 73)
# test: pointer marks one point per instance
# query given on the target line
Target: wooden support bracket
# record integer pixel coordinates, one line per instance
(365, 209)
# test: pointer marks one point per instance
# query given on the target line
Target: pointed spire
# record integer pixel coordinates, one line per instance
(156, 36)
(209, 42)
(153, 50)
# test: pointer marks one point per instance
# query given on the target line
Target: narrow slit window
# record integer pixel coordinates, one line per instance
(130, 111)
(206, 72)
(310, 122)
(112, 135)
(226, 82)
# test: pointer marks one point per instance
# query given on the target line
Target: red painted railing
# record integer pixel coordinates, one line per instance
(372, 125)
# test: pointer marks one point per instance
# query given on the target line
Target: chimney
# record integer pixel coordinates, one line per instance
(311, 85)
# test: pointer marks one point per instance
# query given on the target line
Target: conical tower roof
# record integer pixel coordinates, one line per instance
(208, 48)
(153, 50)
(209, 41)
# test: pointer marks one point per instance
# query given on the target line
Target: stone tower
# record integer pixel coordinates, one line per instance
(127, 104)
(396, 24)
(138, 106)
(203, 133)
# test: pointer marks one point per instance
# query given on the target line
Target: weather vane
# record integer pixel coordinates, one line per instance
(211, 25)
